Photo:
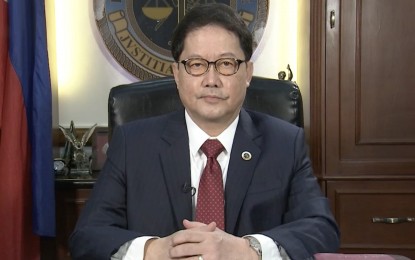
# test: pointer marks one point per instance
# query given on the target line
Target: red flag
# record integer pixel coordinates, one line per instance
(17, 240)
(21, 181)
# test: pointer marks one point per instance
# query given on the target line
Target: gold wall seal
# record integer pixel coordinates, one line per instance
(137, 33)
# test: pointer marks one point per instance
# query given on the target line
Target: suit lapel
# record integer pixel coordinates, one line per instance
(175, 160)
(240, 171)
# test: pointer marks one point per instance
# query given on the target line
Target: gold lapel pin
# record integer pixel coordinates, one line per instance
(246, 156)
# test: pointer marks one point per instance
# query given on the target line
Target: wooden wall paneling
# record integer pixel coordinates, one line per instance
(377, 126)
(317, 85)
(363, 118)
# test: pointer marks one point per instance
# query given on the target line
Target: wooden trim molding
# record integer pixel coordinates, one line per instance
(317, 84)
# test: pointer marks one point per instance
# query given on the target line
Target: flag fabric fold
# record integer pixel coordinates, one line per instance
(27, 203)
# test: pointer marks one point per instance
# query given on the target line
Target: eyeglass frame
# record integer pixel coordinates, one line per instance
(238, 62)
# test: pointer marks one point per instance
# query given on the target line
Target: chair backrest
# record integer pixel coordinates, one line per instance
(279, 98)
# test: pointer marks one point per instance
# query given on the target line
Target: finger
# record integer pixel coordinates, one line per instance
(199, 226)
(185, 251)
(187, 236)
(192, 224)
(199, 257)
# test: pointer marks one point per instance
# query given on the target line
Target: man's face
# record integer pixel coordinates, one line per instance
(212, 100)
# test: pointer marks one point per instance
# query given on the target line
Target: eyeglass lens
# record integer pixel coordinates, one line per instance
(199, 66)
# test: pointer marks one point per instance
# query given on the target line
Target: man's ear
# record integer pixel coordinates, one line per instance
(249, 72)
(175, 69)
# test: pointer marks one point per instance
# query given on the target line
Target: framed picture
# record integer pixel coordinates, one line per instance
(99, 148)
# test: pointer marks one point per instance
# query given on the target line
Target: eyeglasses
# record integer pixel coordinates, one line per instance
(199, 66)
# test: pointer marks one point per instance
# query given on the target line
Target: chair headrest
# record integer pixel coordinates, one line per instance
(279, 98)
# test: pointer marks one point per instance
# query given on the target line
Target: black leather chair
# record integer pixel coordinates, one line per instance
(279, 98)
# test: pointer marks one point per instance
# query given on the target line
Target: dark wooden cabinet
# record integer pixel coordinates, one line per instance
(70, 202)
(365, 210)
(71, 196)
(363, 119)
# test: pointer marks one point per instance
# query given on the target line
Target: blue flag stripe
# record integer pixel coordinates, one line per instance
(29, 57)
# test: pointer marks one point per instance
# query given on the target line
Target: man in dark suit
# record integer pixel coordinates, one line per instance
(145, 204)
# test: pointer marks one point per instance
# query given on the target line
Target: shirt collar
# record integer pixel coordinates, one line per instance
(197, 136)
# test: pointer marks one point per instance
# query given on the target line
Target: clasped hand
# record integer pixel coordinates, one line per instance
(198, 239)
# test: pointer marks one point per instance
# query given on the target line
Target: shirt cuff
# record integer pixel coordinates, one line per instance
(269, 247)
(134, 250)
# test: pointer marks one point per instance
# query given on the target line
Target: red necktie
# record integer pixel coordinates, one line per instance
(210, 199)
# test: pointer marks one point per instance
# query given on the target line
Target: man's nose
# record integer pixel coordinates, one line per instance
(212, 76)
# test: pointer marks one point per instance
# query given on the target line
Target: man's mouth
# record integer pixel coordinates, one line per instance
(212, 98)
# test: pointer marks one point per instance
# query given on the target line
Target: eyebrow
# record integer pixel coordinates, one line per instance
(223, 55)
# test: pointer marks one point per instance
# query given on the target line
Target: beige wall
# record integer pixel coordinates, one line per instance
(303, 58)
(84, 71)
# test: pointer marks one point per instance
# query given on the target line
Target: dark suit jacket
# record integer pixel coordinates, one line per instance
(140, 189)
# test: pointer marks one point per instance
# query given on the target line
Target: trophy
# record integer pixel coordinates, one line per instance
(77, 160)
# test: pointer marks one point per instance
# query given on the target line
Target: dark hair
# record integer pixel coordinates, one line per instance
(212, 14)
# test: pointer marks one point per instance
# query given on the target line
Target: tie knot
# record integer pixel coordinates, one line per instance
(212, 148)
